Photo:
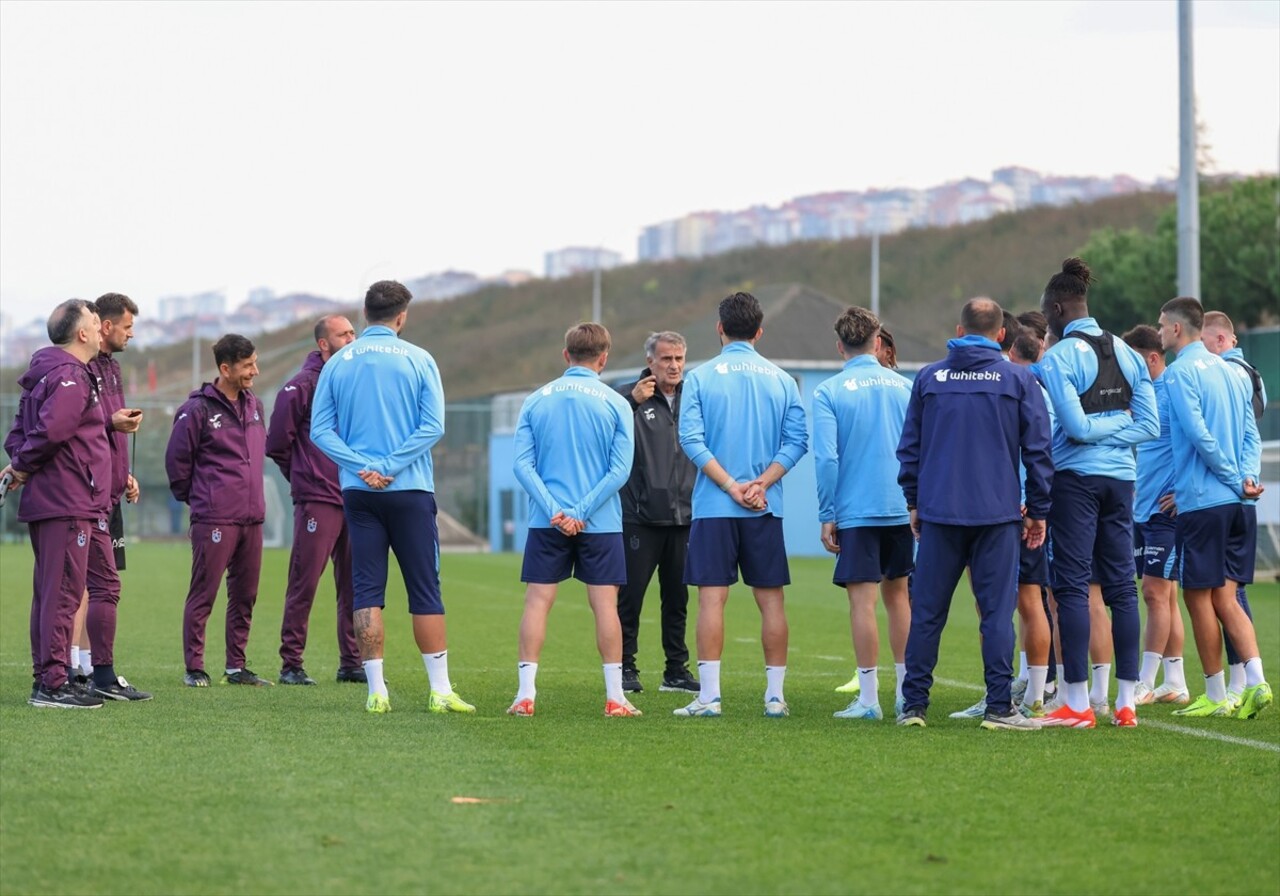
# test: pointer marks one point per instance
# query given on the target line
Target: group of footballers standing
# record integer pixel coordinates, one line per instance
(1015, 457)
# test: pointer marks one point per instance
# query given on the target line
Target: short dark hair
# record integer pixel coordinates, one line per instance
(1034, 321)
(1071, 284)
(982, 316)
(384, 300)
(322, 326)
(112, 306)
(1026, 345)
(1011, 330)
(740, 316)
(65, 320)
(586, 341)
(856, 328)
(1143, 338)
(232, 348)
(1188, 311)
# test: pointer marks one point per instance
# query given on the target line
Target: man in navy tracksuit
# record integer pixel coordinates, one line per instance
(972, 417)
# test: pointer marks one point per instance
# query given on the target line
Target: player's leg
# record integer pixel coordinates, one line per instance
(993, 562)
(210, 554)
(940, 561)
(1101, 652)
(712, 566)
(763, 559)
(601, 565)
(243, 573)
(369, 545)
(349, 668)
(675, 611)
(1073, 519)
(642, 546)
(548, 560)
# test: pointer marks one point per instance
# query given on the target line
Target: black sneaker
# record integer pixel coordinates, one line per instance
(196, 678)
(80, 683)
(631, 681)
(679, 680)
(120, 690)
(245, 676)
(65, 697)
(912, 716)
(295, 675)
(354, 675)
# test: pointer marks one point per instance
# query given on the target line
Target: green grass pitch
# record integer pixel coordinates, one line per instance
(298, 790)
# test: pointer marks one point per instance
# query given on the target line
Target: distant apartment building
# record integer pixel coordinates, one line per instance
(204, 304)
(849, 214)
(578, 259)
(444, 285)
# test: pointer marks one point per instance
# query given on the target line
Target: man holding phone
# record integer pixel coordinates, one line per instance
(106, 559)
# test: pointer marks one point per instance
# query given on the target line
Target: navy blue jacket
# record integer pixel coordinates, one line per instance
(971, 418)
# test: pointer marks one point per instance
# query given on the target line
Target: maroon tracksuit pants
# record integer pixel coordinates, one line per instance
(61, 549)
(103, 582)
(319, 535)
(218, 548)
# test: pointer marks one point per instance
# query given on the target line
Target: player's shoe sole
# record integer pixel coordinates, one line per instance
(450, 702)
(1202, 707)
(698, 709)
(1066, 717)
(1254, 700)
(521, 708)
(377, 704)
(624, 710)
(856, 710)
(1125, 717)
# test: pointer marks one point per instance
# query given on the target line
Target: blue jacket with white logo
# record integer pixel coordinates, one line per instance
(745, 412)
(1155, 461)
(379, 405)
(1215, 438)
(1098, 444)
(972, 417)
(575, 441)
(857, 421)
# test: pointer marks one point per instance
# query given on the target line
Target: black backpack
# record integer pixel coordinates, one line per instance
(1256, 379)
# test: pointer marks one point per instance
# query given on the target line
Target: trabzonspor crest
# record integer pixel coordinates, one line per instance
(311, 524)
(216, 536)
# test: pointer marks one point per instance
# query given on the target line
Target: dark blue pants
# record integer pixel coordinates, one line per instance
(1091, 523)
(991, 553)
(404, 523)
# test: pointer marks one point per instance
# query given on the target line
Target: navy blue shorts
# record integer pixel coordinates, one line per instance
(1092, 525)
(405, 523)
(1155, 547)
(1033, 565)
(1216, 544)
(872, 553)
(550, 556)
(720, 546)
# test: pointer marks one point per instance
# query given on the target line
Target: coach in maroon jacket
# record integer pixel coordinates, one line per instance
(214, 461)
(115, 312)
(319, 528)
(58, 449)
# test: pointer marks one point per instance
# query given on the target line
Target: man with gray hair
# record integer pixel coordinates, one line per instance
(58, 449)
(657, 507)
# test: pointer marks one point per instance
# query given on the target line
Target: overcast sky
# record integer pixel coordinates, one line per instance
(161, 147)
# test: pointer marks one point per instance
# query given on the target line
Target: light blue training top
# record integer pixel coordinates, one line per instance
(379, 405)
(744, 411)
(574, 445)
(857, 422)
(1155, 461)
(1098, 444)
(1215, 438)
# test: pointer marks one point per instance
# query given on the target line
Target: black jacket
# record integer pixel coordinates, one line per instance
(660, 490)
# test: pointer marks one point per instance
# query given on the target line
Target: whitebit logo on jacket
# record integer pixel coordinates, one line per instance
(216, 536)
(1200, 365)
(722, 368)
(1081, 346)
(348, 354)
(82, 538)
(941, 375)
(546, 390)
(216, 421)
(946, 374)
(649, 414)
(311, 524)
(851, 384)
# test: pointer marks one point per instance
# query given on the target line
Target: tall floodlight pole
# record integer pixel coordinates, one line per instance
(595, 290)
(1188, 177)
(875, 272)
(195, 351)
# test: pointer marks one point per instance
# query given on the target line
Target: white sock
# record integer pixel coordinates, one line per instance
(1215, 688)
(613, 683)
(1235, 680)
(373, 671)
(1101, 683)
(1124, 694)
(528, 673)
(900, 673)
(438, 671)
(86, 661)
(75, 657)
(869, 682)
(1150, 666)
(1036, 676)
(1078, 695)
(1060, 680)
(1022, 665)
(774, 677)
(1174, 674)
(232, 671)
(1253, 672)
(708, 681)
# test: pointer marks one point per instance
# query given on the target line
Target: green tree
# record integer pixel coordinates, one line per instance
(1239, 259)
